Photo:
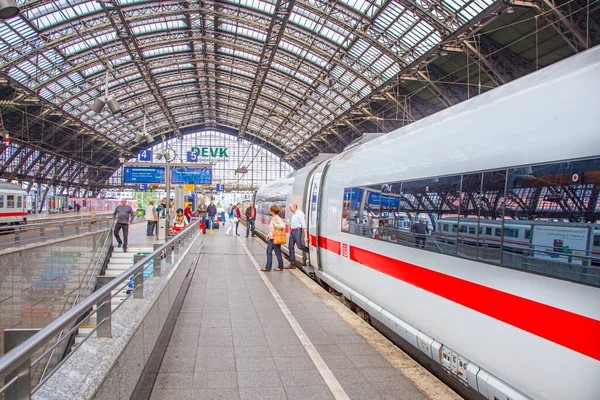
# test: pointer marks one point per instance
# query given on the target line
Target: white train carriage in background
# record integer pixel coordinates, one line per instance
(13, 204)
(502, 323)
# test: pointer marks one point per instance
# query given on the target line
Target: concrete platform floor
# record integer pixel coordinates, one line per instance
(232, 339)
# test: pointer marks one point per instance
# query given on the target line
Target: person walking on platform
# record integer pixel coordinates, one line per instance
(212, 213)
(123, 216)
(420, 230)
(299, 231)
(250, 219)
(201, 211)
(151, 218)
(161, 210)
(237, 214)
(276, 224)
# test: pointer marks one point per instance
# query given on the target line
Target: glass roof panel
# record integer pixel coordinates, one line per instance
(243, 31)
(158, 26)
(161, 51)
(58, 12)
(95, 41)
(267, 7)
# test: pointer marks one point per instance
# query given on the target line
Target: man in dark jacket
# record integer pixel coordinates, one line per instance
(250, 218)
(123, 216)
(420, 230)
(212, 212)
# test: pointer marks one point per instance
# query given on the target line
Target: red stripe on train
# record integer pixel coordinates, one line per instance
(550, 323)
(13, 214)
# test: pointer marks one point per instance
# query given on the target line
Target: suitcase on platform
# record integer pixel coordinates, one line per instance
(216, 225)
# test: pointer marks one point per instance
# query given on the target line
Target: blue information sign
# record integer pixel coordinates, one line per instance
(220, 187)
(142, 174)
(196, 176)
(192, 156)
(145, 155)
(385, 201)
(143, 186)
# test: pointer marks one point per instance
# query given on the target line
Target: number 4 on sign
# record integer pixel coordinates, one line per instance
(145, 155)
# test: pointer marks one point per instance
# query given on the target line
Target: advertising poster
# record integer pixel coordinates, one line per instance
(560, 243)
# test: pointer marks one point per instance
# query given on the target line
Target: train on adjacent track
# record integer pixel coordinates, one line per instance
(13, 204)
(492, 320)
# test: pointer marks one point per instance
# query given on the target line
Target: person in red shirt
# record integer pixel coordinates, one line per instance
(188, 213)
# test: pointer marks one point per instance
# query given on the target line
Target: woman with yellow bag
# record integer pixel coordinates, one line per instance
(275, 239)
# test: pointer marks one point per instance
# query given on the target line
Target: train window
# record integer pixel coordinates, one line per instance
(428, 202)
(481, 216)
(558, 204)
(1, 201)
(10, 201)
(510, 232)
(470, 198)
(19, 201)
(351, 210)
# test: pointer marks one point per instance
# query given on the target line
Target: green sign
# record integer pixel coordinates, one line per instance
(210, 151)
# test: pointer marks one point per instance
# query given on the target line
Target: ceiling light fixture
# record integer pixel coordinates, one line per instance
(99, 103)
(8, 9)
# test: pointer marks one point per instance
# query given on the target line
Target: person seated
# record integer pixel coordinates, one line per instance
(180, 220)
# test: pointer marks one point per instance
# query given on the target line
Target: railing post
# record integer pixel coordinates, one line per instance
(103, 310)
(157, 272)
(77, 228)
(42, 232)
(17, 234)
(89, 224)
(169, 254)
(21, 388)
(138, 278)
(62, 230)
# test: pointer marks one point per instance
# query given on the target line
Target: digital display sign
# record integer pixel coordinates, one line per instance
(196, 176)
(142, 174)
(384, 201)
(352, 196)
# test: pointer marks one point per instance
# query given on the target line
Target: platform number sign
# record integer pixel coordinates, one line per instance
(145, 155)
(143, 186)
(345, 250)
(192, 156)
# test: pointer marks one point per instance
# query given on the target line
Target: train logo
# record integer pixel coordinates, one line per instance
(345, 250)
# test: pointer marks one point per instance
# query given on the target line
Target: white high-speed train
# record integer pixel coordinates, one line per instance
(504, 324)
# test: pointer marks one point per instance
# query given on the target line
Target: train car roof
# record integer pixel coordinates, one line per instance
(10, 186)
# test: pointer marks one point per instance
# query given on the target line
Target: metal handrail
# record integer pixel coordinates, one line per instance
(66, 221)
(23, 352)
(92, 275)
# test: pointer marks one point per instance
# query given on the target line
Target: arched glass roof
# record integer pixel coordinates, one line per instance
(277, 71)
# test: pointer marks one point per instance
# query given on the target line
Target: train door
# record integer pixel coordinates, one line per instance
(313, 201)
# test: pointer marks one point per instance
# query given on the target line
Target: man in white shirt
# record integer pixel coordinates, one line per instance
(298, 225)
(151, 218)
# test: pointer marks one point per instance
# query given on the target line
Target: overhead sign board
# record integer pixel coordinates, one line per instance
(188, 175)
(143, 174)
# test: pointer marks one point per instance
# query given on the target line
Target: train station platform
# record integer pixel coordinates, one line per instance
(246, 334)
